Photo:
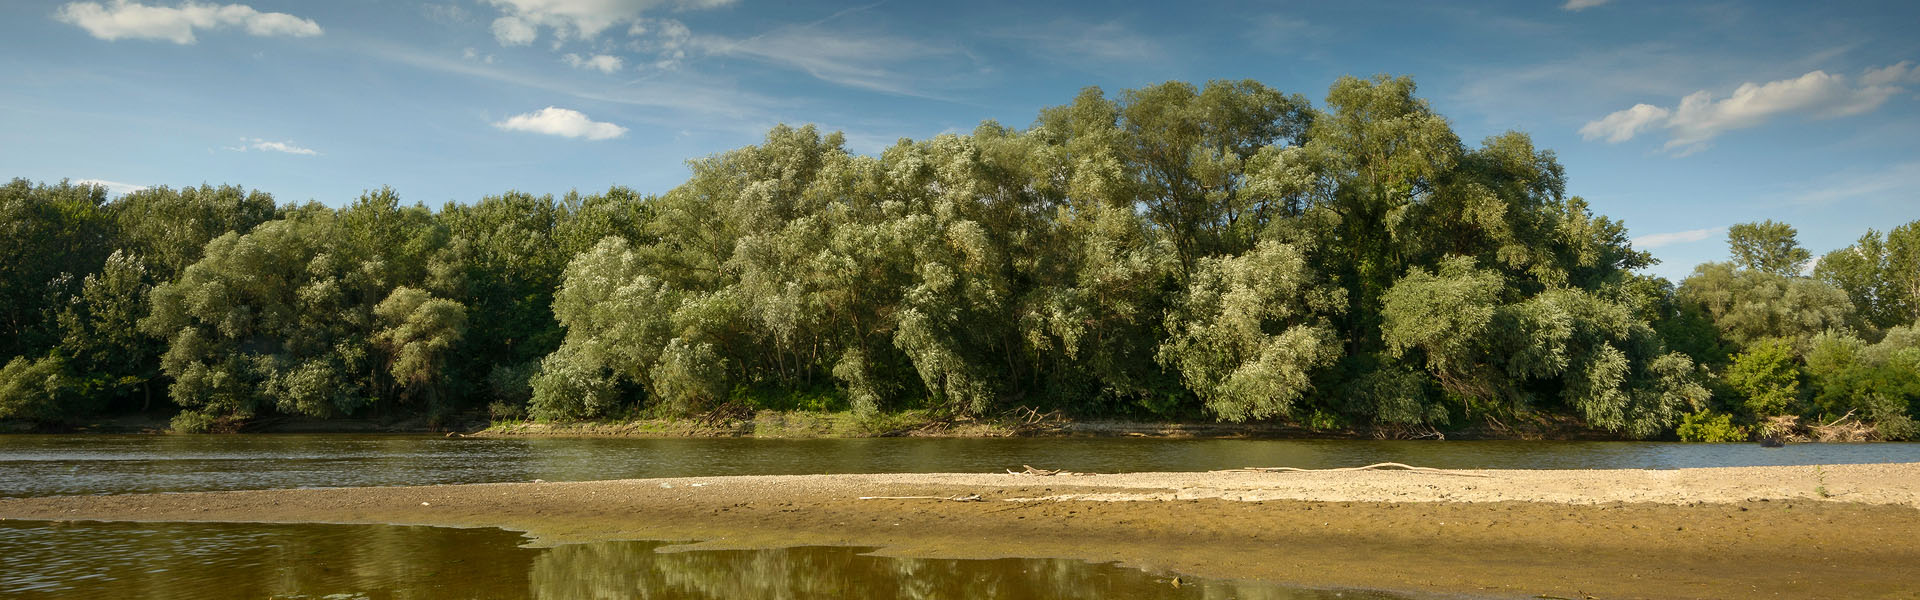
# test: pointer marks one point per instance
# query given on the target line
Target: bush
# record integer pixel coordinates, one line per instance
(1705, 426)
(1768, 375)
(37, 390)
(193, 422)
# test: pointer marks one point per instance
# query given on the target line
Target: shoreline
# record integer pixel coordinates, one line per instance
(1686, 533)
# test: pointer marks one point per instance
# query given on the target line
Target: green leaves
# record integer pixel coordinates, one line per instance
(1251, 331)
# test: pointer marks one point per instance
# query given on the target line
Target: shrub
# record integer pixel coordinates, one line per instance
(1705, 426)
(1767, 375)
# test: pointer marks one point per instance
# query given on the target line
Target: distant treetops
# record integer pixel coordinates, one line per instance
(1224, 251)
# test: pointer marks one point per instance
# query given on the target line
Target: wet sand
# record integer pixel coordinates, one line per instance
(1749, 532)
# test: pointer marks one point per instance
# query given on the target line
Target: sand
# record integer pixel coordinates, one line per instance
(1843, 531)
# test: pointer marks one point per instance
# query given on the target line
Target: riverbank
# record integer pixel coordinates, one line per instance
(1844, 531)
(1019, 423)
(805, 424)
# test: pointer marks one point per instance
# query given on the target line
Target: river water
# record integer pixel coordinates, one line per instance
(344, 562)
(36, 465)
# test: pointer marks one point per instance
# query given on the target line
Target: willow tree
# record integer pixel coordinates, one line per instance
(282, 319)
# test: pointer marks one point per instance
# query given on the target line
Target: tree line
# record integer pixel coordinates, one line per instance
(1223, 251)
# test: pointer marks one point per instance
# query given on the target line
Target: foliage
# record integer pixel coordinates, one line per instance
(1767, 247)
(1223, 251)
(1768, 375)
(38, 390)
(1710, 427)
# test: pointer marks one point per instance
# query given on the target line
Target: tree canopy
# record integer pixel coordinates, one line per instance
(1220, 251)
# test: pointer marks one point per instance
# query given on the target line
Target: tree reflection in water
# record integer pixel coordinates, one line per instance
(210, 560)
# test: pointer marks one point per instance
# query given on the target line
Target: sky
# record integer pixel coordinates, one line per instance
(1678, 118)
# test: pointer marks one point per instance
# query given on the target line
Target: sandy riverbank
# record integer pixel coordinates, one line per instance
(1691, 533)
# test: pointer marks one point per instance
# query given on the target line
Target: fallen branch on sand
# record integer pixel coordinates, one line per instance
(1385, 466)
(1041, 472)
(966, 498)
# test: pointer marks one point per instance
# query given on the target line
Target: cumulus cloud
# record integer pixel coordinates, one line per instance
(1580, 5)
(562, 122)
(598, 62)
(521, 20)
(114, 188)
(131, 20)
(260, 145)
(1701, 116)
(1656, 240)
(1622, 126)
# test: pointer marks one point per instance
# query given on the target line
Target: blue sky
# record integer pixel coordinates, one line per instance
(1678, 118)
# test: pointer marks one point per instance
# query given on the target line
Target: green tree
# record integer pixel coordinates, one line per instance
(1251, 332)
(1767, 247)
(39, 390)
(418, 331)
(1768, 375)
(1880, 275)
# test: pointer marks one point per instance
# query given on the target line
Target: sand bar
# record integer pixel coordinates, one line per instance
(1844, 531)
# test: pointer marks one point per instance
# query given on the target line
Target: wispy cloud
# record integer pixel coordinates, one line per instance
(260, 145)
(521, 21)
(1580, 5)
(1657, 240)
(114, 188)
(1893, 183)
(859, 61)
(562, 122)
(1700, 117)
(122, 19)
(1081, 42)
(598, 62)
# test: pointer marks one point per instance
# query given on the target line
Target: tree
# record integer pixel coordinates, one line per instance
(418, 332)
(1767, 247)
(1768, 376)
(1251, 332)
(1749, 305)
(39, 390)
(52, 236)
(1880, 275)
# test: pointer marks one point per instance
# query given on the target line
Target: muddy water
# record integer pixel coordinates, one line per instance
(344, 562)
(43, 465)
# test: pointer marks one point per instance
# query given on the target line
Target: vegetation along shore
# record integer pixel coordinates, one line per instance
(1224, 252)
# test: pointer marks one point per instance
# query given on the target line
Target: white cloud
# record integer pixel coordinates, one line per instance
(1700, 117)
(599, 62)
(1656, 240)
(577, 19)
(1580, 5)
(131, 20)
(514, 31)
(562, 122)
(114, 188)
(668, 44)
(260, 145)
(1623, 125)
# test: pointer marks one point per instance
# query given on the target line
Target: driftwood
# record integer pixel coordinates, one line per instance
(965, 498)
(1385, 466)
(1040, 472)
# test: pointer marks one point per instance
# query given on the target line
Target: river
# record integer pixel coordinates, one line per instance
(205, 560)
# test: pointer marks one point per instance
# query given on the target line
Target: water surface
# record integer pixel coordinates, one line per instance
(346, 562)
(41, 465)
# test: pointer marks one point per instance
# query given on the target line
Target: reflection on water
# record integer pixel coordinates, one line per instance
(41, 465)
(194, 560)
